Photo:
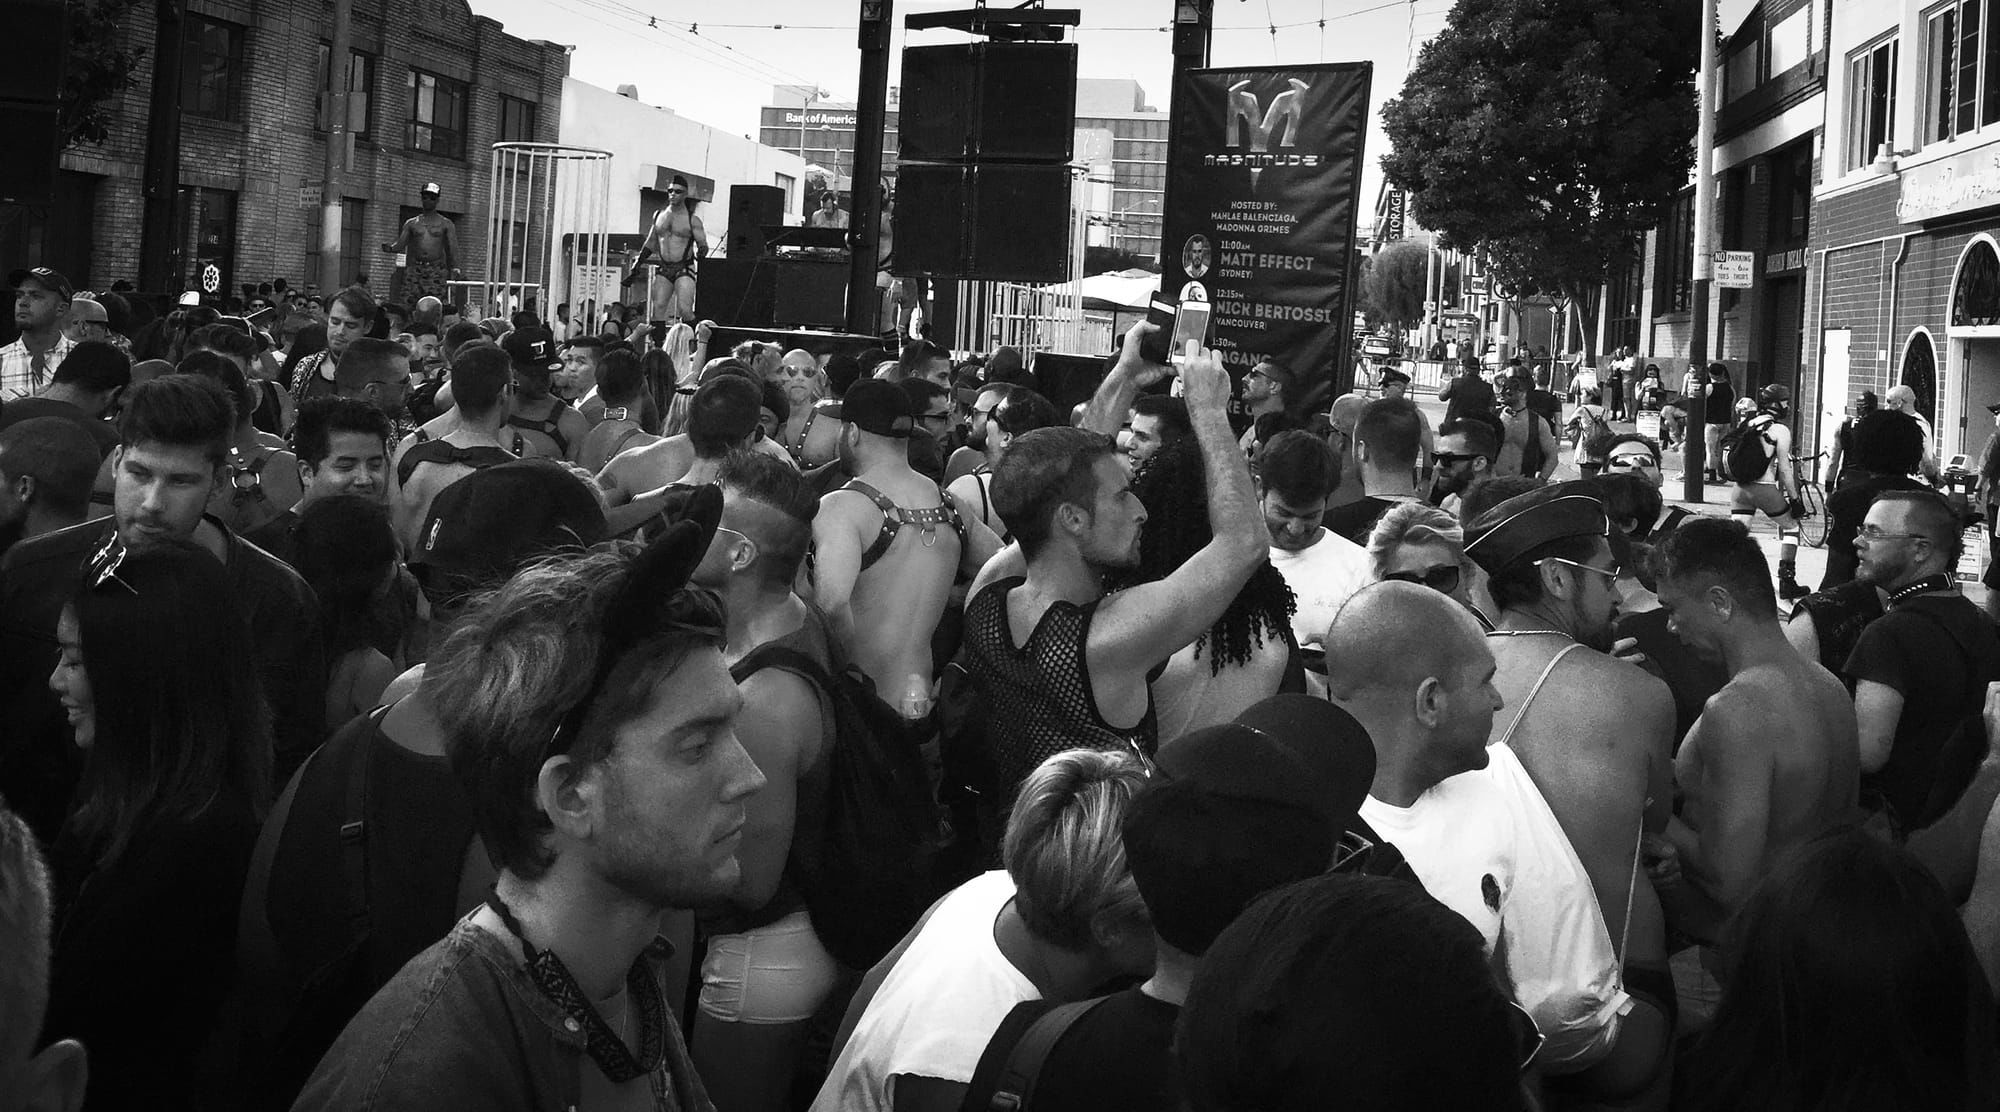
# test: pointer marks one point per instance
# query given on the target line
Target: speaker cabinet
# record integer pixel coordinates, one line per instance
(751, 208)
(988, 102)
(1067, 379)
(811, 293)
(735, 291)
(988, 221)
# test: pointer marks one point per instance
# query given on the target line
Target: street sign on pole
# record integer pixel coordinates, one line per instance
(1735, 270)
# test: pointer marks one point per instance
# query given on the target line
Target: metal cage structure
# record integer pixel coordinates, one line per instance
(548, 232)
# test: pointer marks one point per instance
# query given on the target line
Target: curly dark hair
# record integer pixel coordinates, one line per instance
(1174, 488)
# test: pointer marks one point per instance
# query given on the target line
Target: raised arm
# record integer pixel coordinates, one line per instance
(1113, 400)
(1139, 627)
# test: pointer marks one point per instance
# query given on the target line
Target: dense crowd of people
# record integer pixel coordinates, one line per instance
(412, 712)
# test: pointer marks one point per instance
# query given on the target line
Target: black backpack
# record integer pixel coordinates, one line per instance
(866, 874)
(1746, 448)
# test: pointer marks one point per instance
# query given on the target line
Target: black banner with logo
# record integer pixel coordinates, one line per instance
(1263, 186)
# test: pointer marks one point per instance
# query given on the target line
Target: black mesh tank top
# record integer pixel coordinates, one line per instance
(1041, 703)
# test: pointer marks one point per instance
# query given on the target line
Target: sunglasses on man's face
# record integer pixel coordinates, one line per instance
(1443, 578)
(1450, 459)
(1641, 462)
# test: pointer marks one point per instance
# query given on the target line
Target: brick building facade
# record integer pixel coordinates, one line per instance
(1771, 95)
(1908, 248)
(438, 86)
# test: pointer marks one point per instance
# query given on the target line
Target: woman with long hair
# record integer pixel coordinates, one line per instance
(156, 675)
(347, 555)
(1850, 984)
(1249, 654)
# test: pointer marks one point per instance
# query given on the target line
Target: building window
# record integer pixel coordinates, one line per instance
(360, 93)
(1621, 303)
(1958, 56)
(212, 69)
(1871, 103)
(1790, 42)
(352, 260)
(517, 120)
(437, 115)
(1791, 196)
(1673, 281)
(1739, 72)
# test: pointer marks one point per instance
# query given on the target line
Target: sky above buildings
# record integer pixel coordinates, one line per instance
(716, 60)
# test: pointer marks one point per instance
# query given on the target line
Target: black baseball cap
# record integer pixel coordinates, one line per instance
(495, 519)
(1242, 808)
(878, 407)
(45, 277)
(532, 349)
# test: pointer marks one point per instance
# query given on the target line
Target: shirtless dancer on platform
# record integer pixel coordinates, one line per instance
(1594, 733)
(677, 242)
(1772, 762)
(884, 573)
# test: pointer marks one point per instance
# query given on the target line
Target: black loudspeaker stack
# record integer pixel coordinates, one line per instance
(751, 209)
(33, 52)
(986, 132)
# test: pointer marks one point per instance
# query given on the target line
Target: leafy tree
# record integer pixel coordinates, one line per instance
(1394, 286)
(1548, 135)
(99, 67)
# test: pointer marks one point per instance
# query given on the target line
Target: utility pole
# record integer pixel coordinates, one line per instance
(1694, 451)
(159, 233)
(339, 134)
(871, 113)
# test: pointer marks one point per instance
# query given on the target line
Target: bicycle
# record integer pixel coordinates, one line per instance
(1812, 521)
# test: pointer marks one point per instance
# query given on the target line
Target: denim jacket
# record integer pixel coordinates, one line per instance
(463, 1026)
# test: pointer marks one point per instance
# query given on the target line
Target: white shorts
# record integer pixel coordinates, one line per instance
(777, 973)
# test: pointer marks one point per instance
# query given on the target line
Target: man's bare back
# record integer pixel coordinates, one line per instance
(893, 605)
(1772, 762)
(637, 470)
(1596, 741)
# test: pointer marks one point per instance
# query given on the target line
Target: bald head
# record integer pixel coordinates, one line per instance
(1392, 636)
(1900, 398)
(799, 359)
(1346, 412)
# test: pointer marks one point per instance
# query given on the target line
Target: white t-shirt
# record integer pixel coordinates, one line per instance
(1323, 575)
(938, 1007)
(1486, 845)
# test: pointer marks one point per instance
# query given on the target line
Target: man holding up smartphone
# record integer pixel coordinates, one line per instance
(1063, 664)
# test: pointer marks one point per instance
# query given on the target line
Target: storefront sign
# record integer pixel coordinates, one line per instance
(1263, 183)
(816, 118)
(1778, 262)
(1958, 184)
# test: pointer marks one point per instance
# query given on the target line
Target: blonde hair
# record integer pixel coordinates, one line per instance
(1064, 849)
(1413, 523)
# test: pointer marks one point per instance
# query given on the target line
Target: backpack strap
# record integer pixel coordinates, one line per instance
(1015, 1089)
(772, 655)
(354, 828)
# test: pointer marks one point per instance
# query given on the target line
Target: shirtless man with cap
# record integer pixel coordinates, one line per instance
(1597, 740)
(430, 240)
(889, 544)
